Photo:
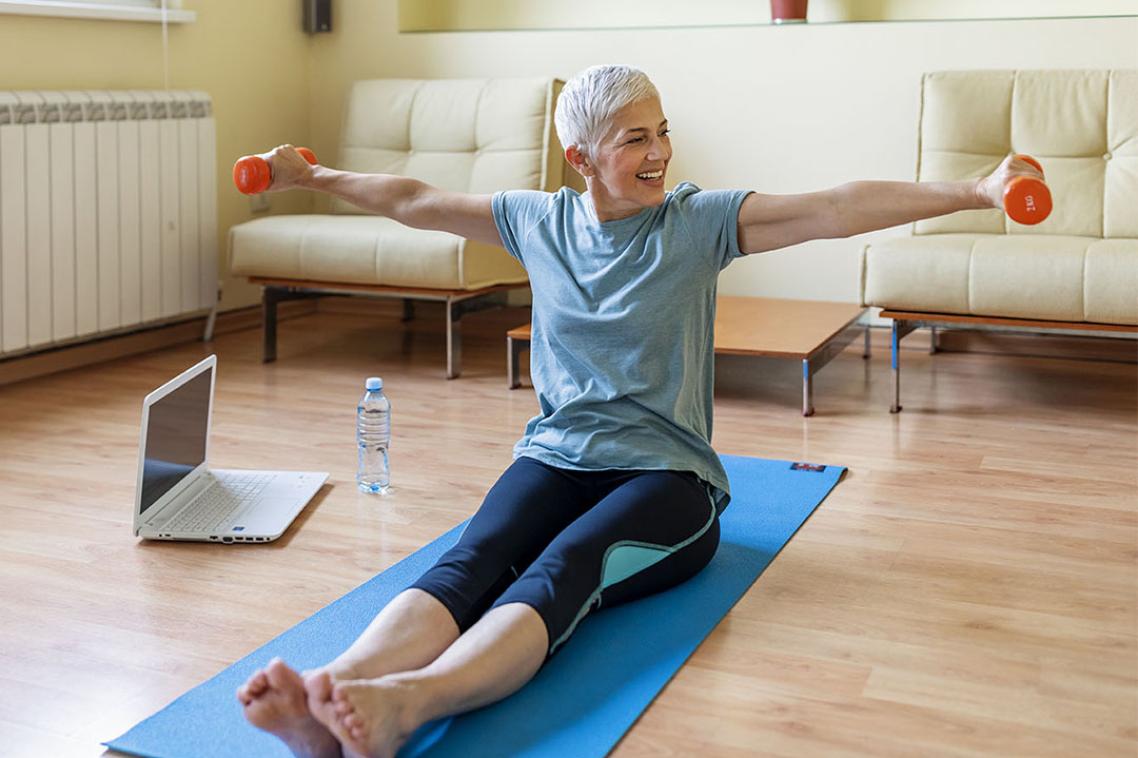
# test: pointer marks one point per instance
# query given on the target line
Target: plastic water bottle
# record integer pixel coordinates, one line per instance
(373, 436)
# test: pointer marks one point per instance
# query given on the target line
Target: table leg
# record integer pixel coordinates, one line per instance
(807, 389)
(822, 355)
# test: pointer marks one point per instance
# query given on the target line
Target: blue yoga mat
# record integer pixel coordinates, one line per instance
(582, 701)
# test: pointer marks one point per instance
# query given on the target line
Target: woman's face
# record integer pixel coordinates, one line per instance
(631, 161)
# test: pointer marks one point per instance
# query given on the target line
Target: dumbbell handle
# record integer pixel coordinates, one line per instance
(253, 173)
(1027, 199)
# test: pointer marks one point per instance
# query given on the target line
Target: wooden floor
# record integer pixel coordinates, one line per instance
(969, 589)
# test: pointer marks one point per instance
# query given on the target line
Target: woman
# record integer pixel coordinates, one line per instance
(615, 490)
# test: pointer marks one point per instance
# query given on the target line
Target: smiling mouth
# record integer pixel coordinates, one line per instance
(651, 176)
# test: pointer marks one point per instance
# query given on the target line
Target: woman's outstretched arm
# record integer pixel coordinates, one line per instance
(406, 200)
(770, 222)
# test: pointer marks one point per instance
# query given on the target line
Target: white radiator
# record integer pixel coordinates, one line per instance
(108, 213)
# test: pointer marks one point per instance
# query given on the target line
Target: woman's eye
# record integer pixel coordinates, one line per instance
(634, 139)
(665, 133)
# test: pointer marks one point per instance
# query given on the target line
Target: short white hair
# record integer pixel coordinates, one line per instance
(588, 102)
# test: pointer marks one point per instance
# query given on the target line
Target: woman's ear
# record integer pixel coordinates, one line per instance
(578, 160)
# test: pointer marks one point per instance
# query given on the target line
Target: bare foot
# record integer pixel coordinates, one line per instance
(369, 716)
(275, 700)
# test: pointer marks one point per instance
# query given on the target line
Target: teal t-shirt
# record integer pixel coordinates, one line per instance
(621, 352)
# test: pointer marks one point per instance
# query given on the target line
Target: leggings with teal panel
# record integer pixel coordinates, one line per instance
(568, 542)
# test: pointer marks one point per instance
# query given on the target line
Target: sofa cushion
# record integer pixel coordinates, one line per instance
(464, 135)
(1110, 282)
(1081, 125)
(366, 250)
(922, 273)
(1061, 278)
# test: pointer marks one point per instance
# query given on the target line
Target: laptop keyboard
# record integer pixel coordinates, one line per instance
(219, 503)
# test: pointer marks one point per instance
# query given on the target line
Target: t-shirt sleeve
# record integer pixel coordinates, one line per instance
(516, 213)
(712, 220)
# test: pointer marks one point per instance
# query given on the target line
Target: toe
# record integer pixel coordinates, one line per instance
(357, 744)
(280, 676)
(257, 684)
(319, 687)
(319, 691)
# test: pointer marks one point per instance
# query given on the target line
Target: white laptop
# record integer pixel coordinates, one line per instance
(179, 497)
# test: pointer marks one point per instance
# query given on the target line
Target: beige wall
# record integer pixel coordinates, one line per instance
(775, 109)
(249, 55)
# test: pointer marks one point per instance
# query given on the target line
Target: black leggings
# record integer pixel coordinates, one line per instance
(566, 542)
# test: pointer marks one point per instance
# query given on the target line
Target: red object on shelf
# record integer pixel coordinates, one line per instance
(788, 11)
(253, 174)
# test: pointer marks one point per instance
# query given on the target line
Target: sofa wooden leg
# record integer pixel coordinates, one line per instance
(901, 328)
(270, 296)
(454, 339)
(514, 350)
(456, 309)
(896, 368)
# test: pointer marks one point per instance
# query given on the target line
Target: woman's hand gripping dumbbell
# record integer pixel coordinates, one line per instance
(279, 169)
(1018, 187)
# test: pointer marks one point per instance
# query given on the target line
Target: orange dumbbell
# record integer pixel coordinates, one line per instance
(1027, 199)
(253, 174)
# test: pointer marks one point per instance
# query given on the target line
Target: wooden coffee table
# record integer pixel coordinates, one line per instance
(807, 330)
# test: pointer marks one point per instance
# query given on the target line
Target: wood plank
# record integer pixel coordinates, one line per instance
(969, 589)
(771, 327)
(778, 328)
(382, 289)
(1078, 346)
(955, 318)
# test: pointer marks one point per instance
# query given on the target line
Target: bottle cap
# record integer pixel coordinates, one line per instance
(373, 383)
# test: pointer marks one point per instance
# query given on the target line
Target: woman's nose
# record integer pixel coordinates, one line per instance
(659, 149)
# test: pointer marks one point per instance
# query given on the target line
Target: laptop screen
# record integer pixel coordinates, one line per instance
(176, 430)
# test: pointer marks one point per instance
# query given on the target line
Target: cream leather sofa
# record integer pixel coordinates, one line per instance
(469, 135)
(1078, 269)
